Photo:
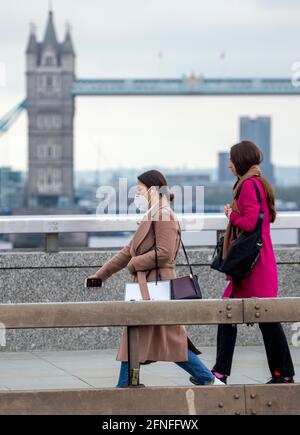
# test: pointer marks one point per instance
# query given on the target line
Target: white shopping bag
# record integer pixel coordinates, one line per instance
(158, 291)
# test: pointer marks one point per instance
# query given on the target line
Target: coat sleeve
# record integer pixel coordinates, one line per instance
(166, 236)
(249, 208)
(116, 263)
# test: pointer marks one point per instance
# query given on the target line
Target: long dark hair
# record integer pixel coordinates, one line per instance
(155, 178)
(246, 154)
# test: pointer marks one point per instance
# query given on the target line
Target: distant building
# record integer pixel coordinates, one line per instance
(11, 189)
(50, 69)
(189, 178)
(185, 185)
(224, 173)
(258, 130)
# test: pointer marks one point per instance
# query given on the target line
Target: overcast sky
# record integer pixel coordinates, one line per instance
(123, 38)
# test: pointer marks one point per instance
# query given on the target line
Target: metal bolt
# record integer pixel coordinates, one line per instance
(236, 396)
(237, 413)
(253, 412)
(252, 396)
(257, 307)
(229, 307)
(221, 405)
(257, 314)
(269, 404)
(229, 316)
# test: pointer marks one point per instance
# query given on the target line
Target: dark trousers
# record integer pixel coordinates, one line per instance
(276, 345)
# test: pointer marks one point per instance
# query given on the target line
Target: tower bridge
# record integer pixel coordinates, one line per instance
(185, 86)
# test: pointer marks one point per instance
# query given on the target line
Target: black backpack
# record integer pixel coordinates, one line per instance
(244, 251)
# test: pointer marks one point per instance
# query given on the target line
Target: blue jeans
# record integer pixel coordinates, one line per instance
(194, 366)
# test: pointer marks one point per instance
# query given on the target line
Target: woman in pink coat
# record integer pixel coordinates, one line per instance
(262, 282)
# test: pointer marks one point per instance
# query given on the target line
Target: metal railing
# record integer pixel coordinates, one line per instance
(235, 399)
(53, 225)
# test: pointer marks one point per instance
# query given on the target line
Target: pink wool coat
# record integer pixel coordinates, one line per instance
(263, 280)
(156, 343)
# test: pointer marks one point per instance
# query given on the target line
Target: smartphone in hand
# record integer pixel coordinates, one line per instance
(93, 282)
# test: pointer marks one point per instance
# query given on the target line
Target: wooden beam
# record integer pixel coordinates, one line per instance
(127, 401)
(271, 310)
(119, 313)
(204, 400)
(279, 399)
(84, 314)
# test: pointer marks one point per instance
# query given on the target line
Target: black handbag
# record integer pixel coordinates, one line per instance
(244, 251)
(185, 287)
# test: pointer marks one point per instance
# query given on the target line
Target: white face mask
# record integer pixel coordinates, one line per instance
(141, 202)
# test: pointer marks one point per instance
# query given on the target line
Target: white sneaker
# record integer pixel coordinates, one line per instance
(217, 381)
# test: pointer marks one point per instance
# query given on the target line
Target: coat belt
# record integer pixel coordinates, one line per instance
(141, 276)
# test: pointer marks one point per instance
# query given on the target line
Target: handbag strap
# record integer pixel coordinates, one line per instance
(258, 195)
(185, 253)
(183, 247)
(261, 212)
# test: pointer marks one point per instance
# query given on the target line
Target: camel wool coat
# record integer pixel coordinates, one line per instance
(156, 343)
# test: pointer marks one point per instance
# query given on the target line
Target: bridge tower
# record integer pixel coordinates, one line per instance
(50, 71)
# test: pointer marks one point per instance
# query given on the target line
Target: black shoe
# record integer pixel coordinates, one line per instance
(280, 380)
(193, 380)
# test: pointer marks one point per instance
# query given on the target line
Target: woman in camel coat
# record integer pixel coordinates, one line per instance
(156, 343)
